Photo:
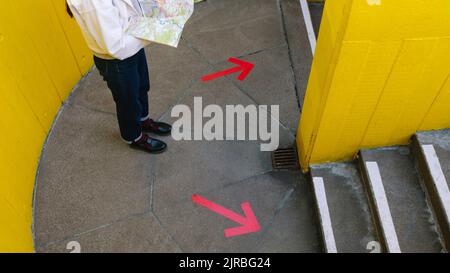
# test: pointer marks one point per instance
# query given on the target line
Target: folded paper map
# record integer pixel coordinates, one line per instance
(163, 20)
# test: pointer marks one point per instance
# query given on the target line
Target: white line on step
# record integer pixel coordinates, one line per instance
(309, 25)
(324, 215)
(382, 207)
(440, 183)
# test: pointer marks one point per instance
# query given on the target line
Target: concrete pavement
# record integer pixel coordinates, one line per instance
(93, 189)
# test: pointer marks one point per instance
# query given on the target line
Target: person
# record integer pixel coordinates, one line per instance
(120, 59)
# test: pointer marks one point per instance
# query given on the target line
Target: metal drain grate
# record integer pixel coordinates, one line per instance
(285, 158)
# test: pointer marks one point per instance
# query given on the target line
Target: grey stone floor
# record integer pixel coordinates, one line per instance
(93, 189)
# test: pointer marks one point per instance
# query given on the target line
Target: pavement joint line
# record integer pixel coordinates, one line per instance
(222, 187)
(199, 54)
(251, 53)
(185, 94)
(100, 227)
(281, 205)
(381, 206)
(163, 227)
(152, 190)
(291, 59)
(212, 66)
(243, 91)
(185, 91)
(324, 215)
(80, 105)
(238, 24)
(286, 198)
(291, 133)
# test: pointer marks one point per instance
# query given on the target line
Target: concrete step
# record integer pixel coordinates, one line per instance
(342, 209)
(432, 152)
(316, 10)
(398, 204)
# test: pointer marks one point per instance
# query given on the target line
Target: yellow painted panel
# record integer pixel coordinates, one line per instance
(53, 51)
(400, 88)
(42, 56)
(21, 143)
(398, 20)
(380, 73)
(425, 93)
(20, 147)
(439, 115)
(81, 52)
(21, 58)
(329, 44)
(370, 84)
(352, 60)
(15, 234)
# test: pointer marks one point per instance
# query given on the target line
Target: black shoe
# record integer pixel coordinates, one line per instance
(148, 144)
(159, 128)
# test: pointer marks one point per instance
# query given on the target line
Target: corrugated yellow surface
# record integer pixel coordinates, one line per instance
(42, 56)
(381, 72)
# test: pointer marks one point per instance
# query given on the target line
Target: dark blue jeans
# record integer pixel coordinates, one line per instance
(129, 83)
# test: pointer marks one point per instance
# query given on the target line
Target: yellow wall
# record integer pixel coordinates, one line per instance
(381, 72)
(42, 56)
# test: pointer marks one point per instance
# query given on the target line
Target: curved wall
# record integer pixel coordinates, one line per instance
(42, 57)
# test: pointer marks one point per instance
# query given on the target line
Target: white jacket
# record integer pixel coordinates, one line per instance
(104, 24)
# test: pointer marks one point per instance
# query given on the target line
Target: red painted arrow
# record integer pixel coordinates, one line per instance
(243, 66)
(249, 223)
